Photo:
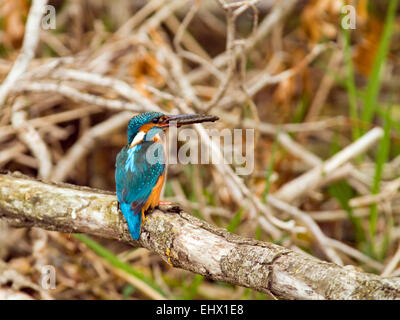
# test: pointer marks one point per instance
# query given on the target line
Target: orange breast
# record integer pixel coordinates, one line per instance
(152, 201)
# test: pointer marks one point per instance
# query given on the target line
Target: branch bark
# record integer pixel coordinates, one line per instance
(188, 243)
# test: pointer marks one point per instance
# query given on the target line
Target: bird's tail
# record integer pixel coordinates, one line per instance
(133, 218)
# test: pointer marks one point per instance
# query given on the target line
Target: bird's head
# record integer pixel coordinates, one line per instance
(145, 126)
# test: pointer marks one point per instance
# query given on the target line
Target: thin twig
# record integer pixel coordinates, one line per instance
(312, 178)
(76, 95)
(32, 139)
(31, 38)
(391, 266)
(84, 145)
(280, 10)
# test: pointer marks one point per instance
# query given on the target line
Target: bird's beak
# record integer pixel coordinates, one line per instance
(184, 119)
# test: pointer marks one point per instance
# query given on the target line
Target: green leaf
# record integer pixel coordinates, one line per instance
(234, 223)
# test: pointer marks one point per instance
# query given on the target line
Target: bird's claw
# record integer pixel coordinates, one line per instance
(167, 252)
(164, 203)
(144, 217)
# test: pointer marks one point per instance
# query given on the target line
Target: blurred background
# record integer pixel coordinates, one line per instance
(295, 71)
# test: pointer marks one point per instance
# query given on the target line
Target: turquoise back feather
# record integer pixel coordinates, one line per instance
(135, 179)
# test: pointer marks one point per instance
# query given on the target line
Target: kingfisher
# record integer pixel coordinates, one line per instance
(140, 165)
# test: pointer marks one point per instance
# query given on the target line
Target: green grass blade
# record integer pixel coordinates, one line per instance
(270, 170)
(113, 260)
(128, 291)
(382, 157)
(191, 291)
(234, 223)
(370, 101)
(258, 233)
(301, 109)
(350, 84)
(343, 192)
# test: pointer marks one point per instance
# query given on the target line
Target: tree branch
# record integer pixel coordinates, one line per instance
(188, 243)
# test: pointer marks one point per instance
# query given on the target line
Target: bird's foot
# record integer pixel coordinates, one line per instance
(144, 217)
(164, 203)
(167, 252)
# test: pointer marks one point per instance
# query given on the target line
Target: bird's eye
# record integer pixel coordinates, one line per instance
(159, 119)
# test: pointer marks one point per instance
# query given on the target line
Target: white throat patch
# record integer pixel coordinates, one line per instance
(138, 138)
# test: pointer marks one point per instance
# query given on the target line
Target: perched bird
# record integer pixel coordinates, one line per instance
(139, 177)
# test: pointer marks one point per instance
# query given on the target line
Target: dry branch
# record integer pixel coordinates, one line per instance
(87, 142)
(309, 180)
(31, 39)
(192, 244)
(32, 139)
(279, 11)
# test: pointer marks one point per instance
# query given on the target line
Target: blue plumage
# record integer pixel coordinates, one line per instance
(138, 121)
(134, 220)
(135, 176)
(140, 165)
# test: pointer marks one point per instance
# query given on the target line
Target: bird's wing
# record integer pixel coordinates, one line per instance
(135, 176)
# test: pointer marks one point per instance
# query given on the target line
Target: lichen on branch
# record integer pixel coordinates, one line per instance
(188, 243)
